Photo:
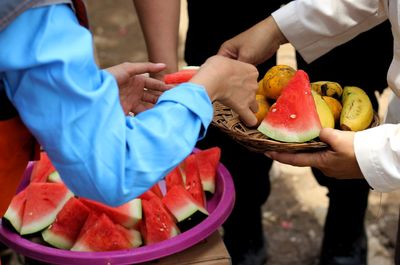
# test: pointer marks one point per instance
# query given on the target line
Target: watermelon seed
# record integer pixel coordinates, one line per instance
(293, 116)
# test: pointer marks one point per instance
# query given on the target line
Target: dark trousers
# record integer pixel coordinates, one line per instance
(243, 229)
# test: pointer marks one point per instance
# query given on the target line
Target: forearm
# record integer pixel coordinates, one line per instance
(314, 27)
(159, 20)
(72, 108)
(378, 152)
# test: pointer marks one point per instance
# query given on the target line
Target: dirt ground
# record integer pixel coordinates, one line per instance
(294, 214)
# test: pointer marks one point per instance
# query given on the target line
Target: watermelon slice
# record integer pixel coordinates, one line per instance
(127, 215)
(102, 235)
(293, 117)
(181, 76)
(54, 177)
(43, 202)
(157, 191)
(158, 224)
(187, 211)
(69, 221)
(148, 195)
(191, 175)
(207, 163)
(173, 178)
(134, 237)
(15, 211)
(42, 168)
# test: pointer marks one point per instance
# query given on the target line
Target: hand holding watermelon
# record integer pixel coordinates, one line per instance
(339, 161)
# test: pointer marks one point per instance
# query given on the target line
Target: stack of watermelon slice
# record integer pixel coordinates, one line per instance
(46, 207)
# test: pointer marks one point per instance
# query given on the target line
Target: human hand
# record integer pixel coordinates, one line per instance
(338, 162)
(231, 82)
(138, 92)
(255, 45)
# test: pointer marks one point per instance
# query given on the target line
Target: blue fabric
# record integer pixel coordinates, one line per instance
(72, 108)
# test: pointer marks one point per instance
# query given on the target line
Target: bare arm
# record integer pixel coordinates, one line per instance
(159, 20)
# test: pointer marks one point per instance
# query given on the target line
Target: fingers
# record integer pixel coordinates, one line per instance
(150, 98)
(248, 117)
(295, 159)
(254, 106)
(226, 51)
(156, 85)
(142, 68)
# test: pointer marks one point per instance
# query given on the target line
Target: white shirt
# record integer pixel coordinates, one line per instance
(314, 27)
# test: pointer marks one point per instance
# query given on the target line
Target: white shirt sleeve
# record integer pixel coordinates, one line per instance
(314, 27)
(378, 154)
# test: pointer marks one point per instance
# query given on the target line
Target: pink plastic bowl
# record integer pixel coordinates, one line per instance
(219, 206)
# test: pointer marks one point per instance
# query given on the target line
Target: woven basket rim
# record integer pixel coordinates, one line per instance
(228, 121)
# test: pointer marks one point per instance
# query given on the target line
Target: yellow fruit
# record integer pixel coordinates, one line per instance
(324, 112)
(327, 88)
(275, 79)
(334, 105)
(357, 112)
(260, 90)
(263, 107)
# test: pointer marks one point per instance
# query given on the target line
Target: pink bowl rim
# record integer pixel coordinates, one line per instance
(138, 255)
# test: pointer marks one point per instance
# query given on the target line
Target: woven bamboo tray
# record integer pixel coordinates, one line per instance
(228, 121)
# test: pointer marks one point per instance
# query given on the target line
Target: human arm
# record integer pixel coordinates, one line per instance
(73, 108)
(373, 154)
(138, 92)
(159, 21)
(313, 27)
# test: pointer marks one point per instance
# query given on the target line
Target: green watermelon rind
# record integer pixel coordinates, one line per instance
(14, 218)
(283, 135)
(56, 240)
(46, 220)
(185, 212)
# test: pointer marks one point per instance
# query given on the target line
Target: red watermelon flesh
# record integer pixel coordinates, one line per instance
(43, 202)
(148, 195)
(173, 178)
(293, 117)
(102, 235)
(69, 221)
(42, 168)
(207, 162)
(158, 224)
(157, 191)
(134, 237)
(15, 211)
(192, 179)
(181, 203)
(127, 215)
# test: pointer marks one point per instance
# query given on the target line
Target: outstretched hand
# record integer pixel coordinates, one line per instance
(339, 161)
(232, 83)
(138, 92)
(255, 45)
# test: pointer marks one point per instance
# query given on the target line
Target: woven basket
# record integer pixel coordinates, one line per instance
(228, 121)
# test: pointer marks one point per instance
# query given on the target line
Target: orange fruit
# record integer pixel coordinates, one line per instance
(334, 105)
(263, 107)
(275, 79)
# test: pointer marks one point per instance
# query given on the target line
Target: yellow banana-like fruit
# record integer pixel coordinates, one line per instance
(324, 112)
(357, 112)
(327, 88)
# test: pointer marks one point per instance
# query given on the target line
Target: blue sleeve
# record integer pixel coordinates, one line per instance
(72, 107)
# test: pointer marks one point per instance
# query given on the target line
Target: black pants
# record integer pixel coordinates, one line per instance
(249, 170)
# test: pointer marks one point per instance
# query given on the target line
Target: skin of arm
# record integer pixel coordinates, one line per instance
(160, 25)
(339, 161)
(250, 45)
(75, 111)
